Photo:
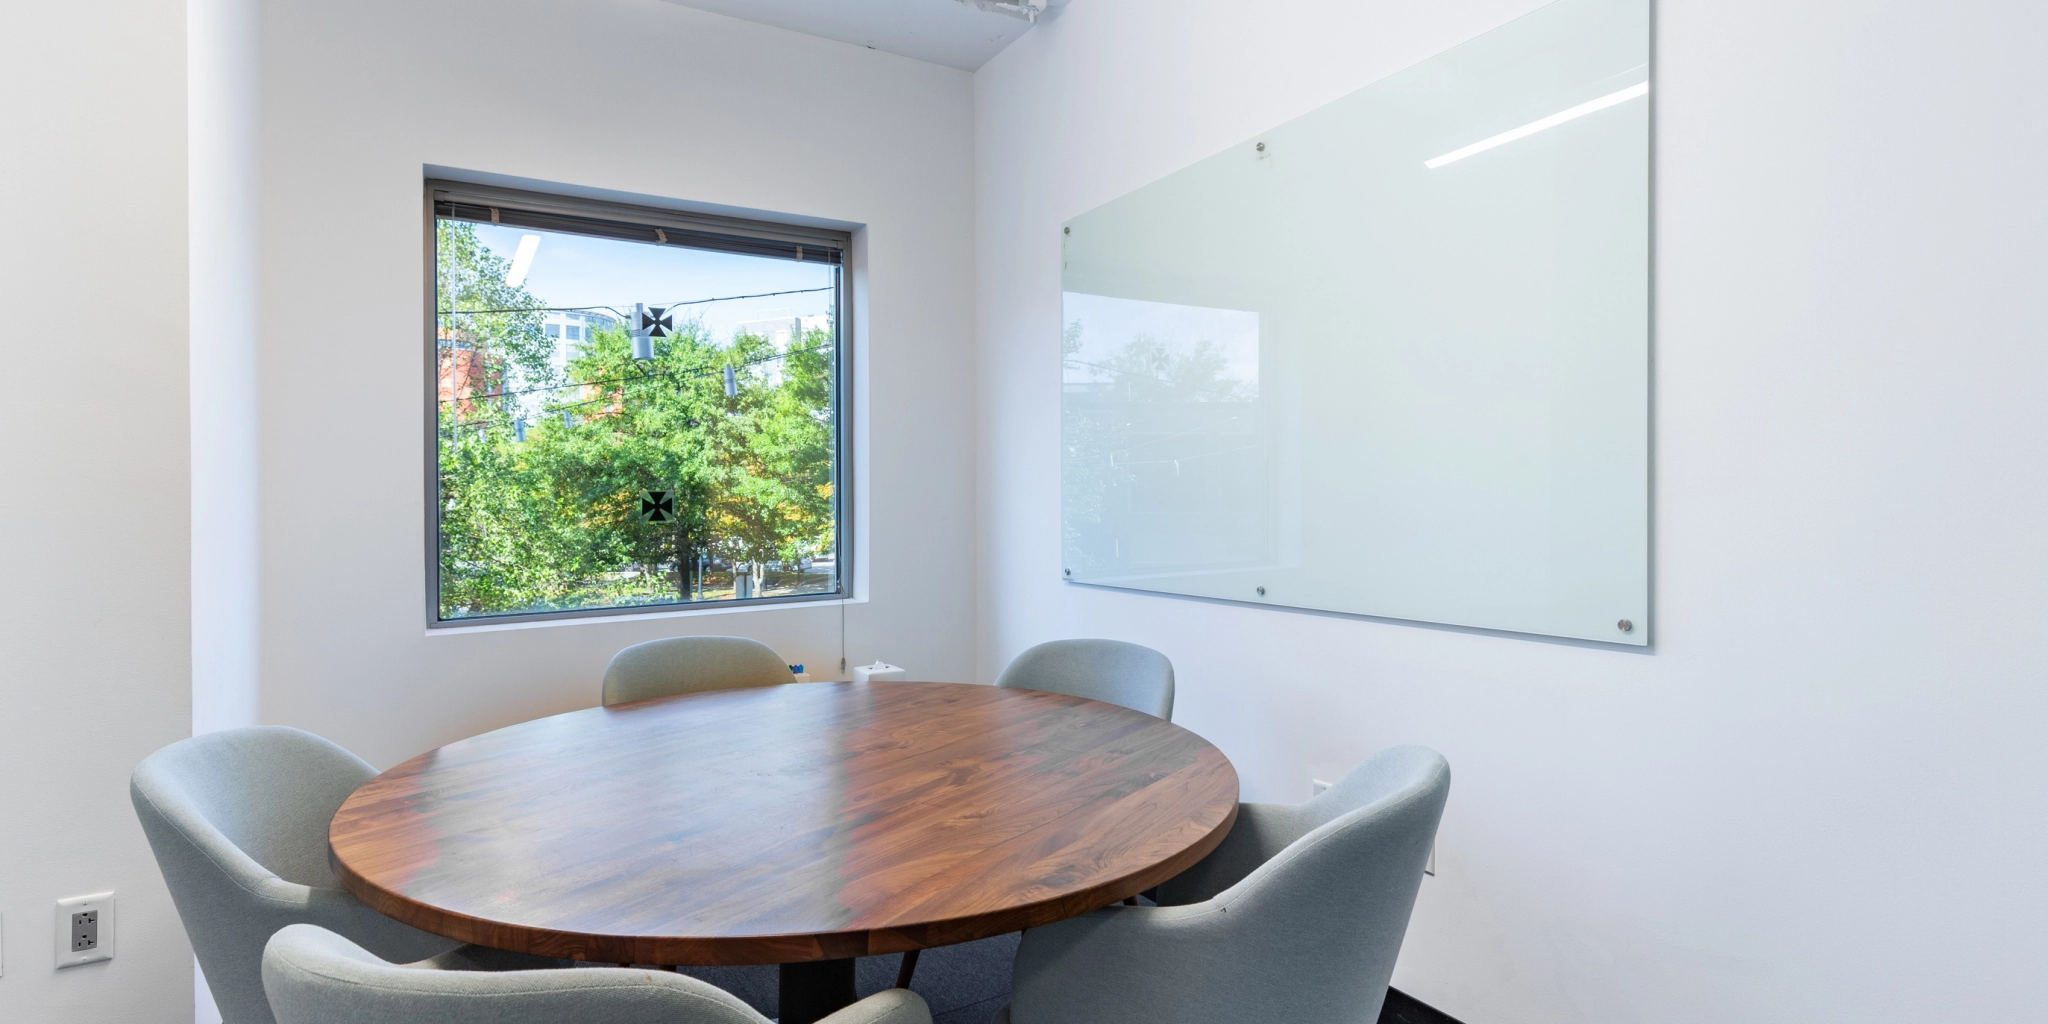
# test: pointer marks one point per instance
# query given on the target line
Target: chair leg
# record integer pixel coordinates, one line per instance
(909, 965)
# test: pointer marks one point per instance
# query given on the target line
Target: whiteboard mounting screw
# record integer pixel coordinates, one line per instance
(1262, 591)
(1625, 626)
(1066, 231)
(1066, 572)
(1262, 147)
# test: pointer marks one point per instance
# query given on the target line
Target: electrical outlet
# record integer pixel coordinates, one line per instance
(85, 929)
(1316, 787)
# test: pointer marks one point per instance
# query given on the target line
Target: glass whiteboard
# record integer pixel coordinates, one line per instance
(1390, 358)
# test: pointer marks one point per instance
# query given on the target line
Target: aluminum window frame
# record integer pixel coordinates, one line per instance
(649, 225)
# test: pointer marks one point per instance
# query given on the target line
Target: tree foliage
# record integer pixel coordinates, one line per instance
(549, 522)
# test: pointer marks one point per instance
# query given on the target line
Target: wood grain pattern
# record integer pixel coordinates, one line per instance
(786, 823)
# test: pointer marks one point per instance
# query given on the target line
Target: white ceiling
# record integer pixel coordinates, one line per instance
(940, 31)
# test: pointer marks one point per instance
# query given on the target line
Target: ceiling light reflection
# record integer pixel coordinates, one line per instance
(522, 260)
(1609, 100)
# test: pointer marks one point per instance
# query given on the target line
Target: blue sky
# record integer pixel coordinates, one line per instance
(577, 270)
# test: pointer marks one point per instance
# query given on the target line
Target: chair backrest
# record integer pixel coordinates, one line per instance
(1326, 915)
(1307, 934)
(314, 976)
(687, 664)
(1262, 831)
(1111, 671)
(269, 791)
(238, 823)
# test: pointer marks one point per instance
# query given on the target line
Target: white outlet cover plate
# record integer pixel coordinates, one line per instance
(102, 902)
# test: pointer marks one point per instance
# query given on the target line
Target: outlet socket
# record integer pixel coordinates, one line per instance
(85, 929)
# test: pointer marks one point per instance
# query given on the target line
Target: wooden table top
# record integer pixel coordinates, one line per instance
(784, 823)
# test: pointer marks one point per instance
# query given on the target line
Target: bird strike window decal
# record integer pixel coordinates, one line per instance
(657, 507)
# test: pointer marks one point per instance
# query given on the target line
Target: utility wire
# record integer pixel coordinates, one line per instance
(1185, 458)
(1133, 373)
(622, 316)
(675, 374)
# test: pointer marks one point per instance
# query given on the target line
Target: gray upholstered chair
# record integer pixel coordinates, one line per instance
(1111, 671)
(317, 977)
(687, 664)
(238, 822)
(1296, 917)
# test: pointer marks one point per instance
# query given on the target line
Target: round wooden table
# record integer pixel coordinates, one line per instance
(803, 825)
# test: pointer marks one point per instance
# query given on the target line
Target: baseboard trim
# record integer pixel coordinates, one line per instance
(1402, 1008)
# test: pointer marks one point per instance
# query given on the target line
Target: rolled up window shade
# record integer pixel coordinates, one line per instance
(637, 224)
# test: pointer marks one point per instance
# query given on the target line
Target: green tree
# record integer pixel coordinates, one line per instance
(549, 522)
(469, 279)
(771, 455)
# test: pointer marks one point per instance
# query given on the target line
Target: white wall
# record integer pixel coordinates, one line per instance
(223, 95)
(1820, 795)
(94, 651)
(222, 42)
(635, 96)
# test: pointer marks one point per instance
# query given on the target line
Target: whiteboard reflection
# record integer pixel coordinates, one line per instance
(1164, 453)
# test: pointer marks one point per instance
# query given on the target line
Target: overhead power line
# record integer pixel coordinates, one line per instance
(621, 315)
(671, 374)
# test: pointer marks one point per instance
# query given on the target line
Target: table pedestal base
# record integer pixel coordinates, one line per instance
(814, 989)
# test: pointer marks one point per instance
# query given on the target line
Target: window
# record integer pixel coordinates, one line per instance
(632, 408)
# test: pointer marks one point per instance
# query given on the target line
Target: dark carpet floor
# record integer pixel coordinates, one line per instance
(965, 984)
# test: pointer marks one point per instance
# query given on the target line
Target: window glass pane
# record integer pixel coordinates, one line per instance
(576, 476)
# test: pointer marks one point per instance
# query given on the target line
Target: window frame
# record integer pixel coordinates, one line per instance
(649, 225)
